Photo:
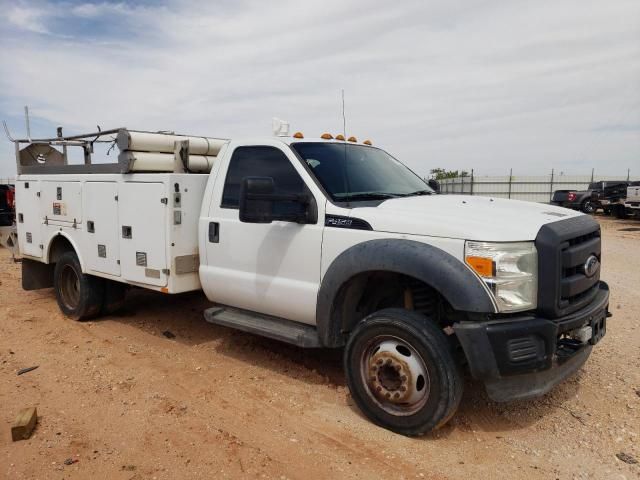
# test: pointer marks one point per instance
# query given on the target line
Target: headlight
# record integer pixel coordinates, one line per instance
(510, 270)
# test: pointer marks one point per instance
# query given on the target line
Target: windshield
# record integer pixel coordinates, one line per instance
(355, 172)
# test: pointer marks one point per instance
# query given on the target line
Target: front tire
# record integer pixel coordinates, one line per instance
(79, 296)
(402, 373)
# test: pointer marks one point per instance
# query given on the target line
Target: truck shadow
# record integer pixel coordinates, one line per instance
(181, 315)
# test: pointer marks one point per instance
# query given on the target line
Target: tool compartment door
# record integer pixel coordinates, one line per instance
(102, 237)
(61, 201)
(142, 217)
(29, 218)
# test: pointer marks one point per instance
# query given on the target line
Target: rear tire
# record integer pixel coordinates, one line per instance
(79, 296)
(401, 372)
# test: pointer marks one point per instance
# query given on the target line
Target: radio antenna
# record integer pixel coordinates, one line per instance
(344, 118)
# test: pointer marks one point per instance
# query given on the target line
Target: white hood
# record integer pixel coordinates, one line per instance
(463, 217)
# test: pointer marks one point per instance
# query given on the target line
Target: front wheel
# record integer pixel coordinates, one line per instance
(401, 372)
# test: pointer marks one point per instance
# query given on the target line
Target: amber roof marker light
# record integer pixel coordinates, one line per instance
(298, 135)
(367, 142)
(340, 137)
(326, 136)
(352, 139)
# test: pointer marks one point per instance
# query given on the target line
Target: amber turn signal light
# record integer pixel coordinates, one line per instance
(485, 267)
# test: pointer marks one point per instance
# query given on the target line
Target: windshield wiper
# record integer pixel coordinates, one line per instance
(416, 193)
(369, 196)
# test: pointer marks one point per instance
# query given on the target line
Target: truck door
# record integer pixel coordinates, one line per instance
(268, 268)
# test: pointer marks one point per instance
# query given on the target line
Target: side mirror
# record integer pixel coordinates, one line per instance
(434, 184)
(256, 199)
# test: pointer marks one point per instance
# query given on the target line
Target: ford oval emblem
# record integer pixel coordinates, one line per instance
(591, 266)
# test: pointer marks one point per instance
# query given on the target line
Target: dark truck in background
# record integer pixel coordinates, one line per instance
(603, 195)
(612, 199)
(7, 205)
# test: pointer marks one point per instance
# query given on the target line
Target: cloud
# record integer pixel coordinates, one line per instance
(93, 10)
(483, 84)
(27, 18)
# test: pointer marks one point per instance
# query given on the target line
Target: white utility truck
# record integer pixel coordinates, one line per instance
(323, 242)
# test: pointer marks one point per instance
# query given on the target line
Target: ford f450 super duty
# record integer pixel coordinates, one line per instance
(323, 242)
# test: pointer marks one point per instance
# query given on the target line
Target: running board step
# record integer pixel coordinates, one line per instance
(271, 327)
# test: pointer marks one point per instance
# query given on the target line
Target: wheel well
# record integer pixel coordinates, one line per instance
(371, 291)
(59, 245)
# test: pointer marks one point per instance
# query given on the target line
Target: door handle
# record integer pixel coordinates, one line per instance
(214, 232)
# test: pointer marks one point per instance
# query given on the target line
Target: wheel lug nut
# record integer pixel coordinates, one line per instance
(379, 388)
(403, 378)
(403, 388)
(380, 362)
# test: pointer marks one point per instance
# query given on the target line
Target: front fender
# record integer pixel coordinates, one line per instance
(435, 267)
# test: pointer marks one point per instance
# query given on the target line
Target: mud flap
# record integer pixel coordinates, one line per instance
(36, 275)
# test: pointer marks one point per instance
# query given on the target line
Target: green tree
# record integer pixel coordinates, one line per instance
(441, 173)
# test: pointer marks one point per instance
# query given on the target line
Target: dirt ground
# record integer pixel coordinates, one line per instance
(122, 401)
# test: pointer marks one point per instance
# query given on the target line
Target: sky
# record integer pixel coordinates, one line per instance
(487, 85)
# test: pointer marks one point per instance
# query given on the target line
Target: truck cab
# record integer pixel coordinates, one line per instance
(332, 243)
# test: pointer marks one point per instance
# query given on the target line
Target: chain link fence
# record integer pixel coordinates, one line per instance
(523, 187)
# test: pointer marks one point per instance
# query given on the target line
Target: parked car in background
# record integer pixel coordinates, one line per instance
(7, 205)
(632, 201)
(591, 200)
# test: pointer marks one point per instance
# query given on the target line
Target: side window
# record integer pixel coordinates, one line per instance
(262, 162)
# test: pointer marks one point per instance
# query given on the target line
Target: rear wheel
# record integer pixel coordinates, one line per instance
(588, 206)
(401, 372)
(79, 296)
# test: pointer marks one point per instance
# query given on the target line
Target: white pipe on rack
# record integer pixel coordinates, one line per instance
(164, 162)
(165, 143)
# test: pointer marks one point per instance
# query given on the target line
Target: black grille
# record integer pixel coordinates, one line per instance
(563, 249)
